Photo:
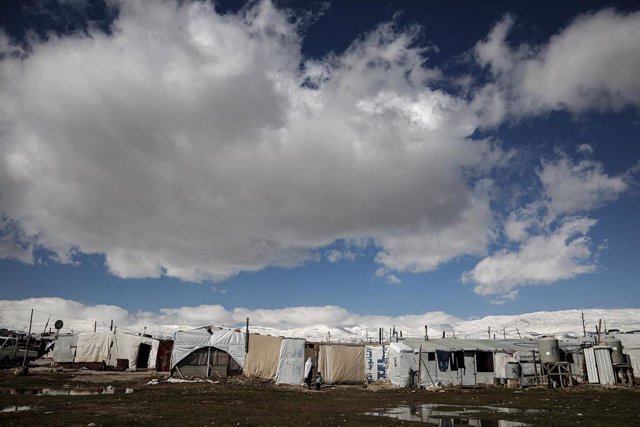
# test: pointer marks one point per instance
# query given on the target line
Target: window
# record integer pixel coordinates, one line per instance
(484, 361)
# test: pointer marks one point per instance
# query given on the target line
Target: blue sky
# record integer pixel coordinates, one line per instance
(398, 158)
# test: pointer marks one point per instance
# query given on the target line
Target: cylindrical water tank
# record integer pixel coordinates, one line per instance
(617, 357)
(549, 350)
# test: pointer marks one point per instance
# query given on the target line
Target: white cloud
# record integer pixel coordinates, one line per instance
(562, 253)
(392, 279)
(186, 144)
(591, 64)
(578, 187)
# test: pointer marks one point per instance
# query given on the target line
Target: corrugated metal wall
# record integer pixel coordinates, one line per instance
(605, 367)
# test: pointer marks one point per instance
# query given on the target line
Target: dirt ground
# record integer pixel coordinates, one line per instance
(242, 401)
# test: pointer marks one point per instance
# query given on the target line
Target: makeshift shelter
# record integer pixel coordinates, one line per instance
(631, 347)
(291, 362)
(342, 363)
(467, 362)
(137, 351)
(402, 362)
(263, 356)
(208, 352)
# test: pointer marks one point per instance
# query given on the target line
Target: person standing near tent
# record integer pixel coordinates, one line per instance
(308, 372)
(319, 381)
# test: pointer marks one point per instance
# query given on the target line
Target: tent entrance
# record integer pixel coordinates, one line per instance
(208, 362)
(143, 356)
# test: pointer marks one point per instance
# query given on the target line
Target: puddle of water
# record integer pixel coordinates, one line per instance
(68, 391)
(452, 415)
(16, 409)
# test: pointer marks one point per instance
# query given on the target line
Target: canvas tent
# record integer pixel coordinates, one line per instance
(263, 356)
(341, 363)
(291, 362)
(208, 351)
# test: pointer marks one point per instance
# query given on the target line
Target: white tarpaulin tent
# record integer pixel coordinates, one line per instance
(400, 360)
(186, 342)
(291, 362)
(136, 349)
(108, 347)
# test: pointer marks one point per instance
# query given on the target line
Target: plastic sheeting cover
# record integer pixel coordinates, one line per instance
(401, 359)
(263, 356)
(500, 361)
(127, 346)
(375, 362)
(229, 340)
(342, 364)
(64, 350)
(291, 362)
(94, 347)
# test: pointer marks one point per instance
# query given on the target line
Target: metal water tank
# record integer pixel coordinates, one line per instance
(617, 357)
(549, 350)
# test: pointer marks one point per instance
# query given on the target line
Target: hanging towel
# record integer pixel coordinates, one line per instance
(458, 356)
(454, 361)
(443, 360)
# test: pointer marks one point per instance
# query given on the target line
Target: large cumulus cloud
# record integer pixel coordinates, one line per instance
(196, 145)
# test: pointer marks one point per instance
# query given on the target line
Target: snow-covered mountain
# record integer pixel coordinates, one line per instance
(315, 323)
(562, 324)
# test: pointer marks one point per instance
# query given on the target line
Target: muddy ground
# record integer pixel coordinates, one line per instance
(241, 401)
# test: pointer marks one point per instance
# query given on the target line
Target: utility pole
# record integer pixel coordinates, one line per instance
(519, 336)
(489, 332)
(95, 325)
(584, 328)
(504, 333)
(26, 350)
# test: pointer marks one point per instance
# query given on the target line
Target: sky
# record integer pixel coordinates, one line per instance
(379, 158)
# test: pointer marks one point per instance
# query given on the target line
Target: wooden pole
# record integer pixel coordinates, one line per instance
(504, 333)
(45, 325)
(419, 366)
(489, 331)
(599, 329)
(26, 350)
(111, 327)
(519, 336)
(426, 332)
(246, 337)
(535, 367)
(95, 325)
(584, 329)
